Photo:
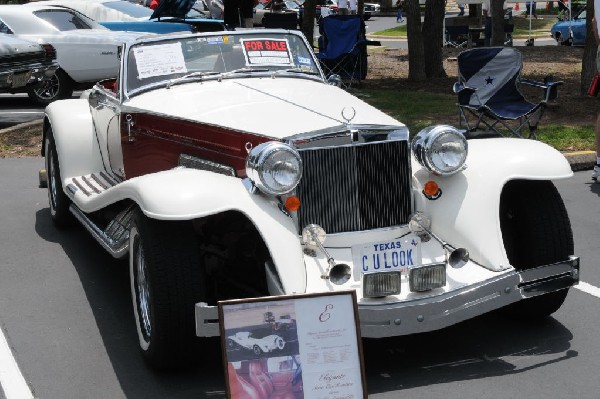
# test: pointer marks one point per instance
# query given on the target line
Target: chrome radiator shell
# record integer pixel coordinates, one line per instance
(355, 187)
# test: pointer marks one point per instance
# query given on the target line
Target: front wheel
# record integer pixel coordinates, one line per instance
(166, 281)
(536, 231)
(257, 350)
(57, 199)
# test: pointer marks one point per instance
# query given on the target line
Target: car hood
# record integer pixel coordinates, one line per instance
(273, 107)
(173, 8)
(12, 45)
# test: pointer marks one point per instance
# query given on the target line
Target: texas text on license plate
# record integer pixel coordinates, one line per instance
(385, 256)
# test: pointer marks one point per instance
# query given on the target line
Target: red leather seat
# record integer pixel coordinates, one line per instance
(261, 381)
(239, 387)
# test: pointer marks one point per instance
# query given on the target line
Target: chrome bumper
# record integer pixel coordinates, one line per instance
(39, 73)
(433, 313)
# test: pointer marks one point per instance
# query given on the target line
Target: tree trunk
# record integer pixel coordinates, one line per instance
(416, 54)
(435, 11)
(308, 20)
(497, 14)
(588, 63)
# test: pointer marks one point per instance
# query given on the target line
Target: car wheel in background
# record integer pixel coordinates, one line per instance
(57, 199)
(58, 87)
(257, 350)
(536, 231)
(167, 280)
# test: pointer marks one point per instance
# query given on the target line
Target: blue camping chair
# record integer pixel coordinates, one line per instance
(488, 90)
(342, 47)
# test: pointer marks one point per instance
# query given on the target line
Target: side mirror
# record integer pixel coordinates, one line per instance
(334, 80)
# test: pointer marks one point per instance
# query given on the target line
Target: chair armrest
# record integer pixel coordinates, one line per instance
(460, 87)
(550, 87)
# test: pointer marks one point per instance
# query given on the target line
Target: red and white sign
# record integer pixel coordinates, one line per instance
(266, 52)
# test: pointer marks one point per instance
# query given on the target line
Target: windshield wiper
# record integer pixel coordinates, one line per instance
(242, 70)
(293, 70)
(197, 74)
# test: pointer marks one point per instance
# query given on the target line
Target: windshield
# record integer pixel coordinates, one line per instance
(173, 61)
(131, 9)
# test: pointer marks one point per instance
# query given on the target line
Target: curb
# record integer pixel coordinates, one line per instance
(38, 123)
(579, 160)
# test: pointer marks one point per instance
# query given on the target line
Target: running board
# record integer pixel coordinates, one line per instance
(115, 239)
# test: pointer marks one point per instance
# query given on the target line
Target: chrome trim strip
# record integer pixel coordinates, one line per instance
(99, 182)
(193, 162)
(80, 186)
(90, 185)
(118, 249)
(440, 311)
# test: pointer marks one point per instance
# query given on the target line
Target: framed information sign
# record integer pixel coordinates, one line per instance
(293, 347)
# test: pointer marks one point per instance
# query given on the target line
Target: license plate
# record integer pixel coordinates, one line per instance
(397, 255)
(20, 79)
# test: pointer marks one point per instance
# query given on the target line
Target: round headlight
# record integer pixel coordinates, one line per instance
(275, 168)
(442, 149)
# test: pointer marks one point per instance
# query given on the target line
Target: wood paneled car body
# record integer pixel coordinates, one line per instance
(224, 165)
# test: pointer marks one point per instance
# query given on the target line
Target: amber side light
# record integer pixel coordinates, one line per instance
(431, 189)
(292, 203)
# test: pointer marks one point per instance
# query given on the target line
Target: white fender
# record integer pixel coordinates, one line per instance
(467, 213)
(75, 138)
(185, 194)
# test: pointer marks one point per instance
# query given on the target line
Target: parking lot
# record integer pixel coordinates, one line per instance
(65, 311)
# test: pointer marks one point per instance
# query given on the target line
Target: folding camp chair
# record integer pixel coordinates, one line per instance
(342, 47)
(457, 36)
(488, 90)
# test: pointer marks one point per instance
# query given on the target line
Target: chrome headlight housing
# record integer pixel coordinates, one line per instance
(274, 167)
(442, 149)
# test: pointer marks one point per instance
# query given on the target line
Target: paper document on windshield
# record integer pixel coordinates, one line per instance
(159, 60)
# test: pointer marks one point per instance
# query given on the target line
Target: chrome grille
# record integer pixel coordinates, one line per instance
(354, 188)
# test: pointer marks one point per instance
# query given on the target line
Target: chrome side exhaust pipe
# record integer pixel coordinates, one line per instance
(456, 257)
(313, 236)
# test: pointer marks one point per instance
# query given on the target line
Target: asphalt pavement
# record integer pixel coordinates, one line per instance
(65, 310)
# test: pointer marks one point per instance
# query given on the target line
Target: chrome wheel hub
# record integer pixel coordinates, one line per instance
(142, 289)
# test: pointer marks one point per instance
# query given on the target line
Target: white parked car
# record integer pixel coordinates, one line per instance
(25, 66)
(224, 165)
(256, 343)
(171, 16)
(86, 52)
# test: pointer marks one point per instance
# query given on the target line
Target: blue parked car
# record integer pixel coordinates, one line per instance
(571, 33)
(170, 15)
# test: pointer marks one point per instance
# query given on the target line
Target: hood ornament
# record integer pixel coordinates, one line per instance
(348, 114)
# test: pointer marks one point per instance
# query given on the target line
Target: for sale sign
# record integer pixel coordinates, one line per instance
(266, 52)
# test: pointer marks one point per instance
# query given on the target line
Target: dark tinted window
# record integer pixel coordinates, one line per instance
(4, 28)
(64, 20)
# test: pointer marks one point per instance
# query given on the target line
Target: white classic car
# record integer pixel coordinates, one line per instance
(256, 343)
(86, 52)
(25, 66)
(224, 165)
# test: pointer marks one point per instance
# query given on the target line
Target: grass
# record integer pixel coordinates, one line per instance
(539, 28)
(421, 109)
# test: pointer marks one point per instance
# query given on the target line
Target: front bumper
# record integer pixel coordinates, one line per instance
(436, 312)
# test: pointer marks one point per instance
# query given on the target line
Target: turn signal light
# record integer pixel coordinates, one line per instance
(292, 203)
(431, 190)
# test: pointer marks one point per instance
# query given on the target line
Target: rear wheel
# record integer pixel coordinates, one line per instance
(58, 87)
(57, 199)
(536, 231)
(167, 280)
